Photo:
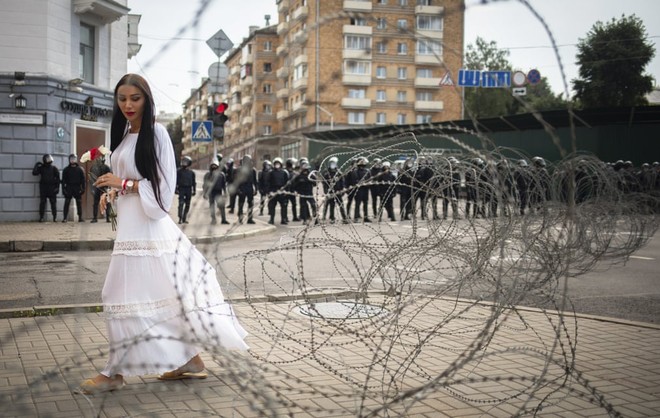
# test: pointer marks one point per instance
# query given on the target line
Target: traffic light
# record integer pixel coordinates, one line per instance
(219, 119)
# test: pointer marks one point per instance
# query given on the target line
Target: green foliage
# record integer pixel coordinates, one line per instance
(175, 130)
(612, 59)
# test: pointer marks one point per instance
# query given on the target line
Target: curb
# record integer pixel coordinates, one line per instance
(108, 244)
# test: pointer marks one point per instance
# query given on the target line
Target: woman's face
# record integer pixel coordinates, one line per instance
(130, 100)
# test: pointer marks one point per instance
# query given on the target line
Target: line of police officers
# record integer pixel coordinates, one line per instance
(488, 188)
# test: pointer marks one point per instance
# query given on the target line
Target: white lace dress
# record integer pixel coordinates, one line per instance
(161, 298)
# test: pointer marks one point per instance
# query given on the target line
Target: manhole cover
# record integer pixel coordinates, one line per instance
(341, 310)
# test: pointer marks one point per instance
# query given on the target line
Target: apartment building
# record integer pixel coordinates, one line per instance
(60, 62)
(337, 64)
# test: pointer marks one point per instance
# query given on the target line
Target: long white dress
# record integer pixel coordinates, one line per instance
(161, 298)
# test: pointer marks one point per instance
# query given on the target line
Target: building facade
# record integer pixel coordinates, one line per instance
(337, 64)
(60, 62)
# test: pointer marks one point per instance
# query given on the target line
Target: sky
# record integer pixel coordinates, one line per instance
(174, 68)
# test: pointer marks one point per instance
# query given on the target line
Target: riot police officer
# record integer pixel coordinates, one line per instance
(406, 183)
(276, 181)
(333, 185)
(261, 182)
(73, 186)
(247, 187)
(375, 189)
(387, 191)
(290, 197)
(361, 175)
(422, 185)
(451, 187)
(215, 190)
(229, 171)
(185, 187)
(303, 186)
(522, 180)
(49, 185)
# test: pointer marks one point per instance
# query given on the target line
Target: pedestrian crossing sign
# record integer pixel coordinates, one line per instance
(446, 80)
(201, 131)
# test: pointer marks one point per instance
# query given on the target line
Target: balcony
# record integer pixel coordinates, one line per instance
(299, 107)
(361, 54)
(356, 103)
(282, 114)
(247, 120)
(246, 100)
(427, 59)
(282, 27)
(235, 127)
(427, 82)
(300, 59)
(283, 6)
(357, 30)
(107, 11)
(430, 34)
(282, 93)
(281, 50)
(429, 10)
(247, 81)
(300, 13)
(356, 79)
(282, 72)
(235, 88)
(300, 83)
(300, 36)
(235, 107)
(357, 6)
(429, 106)
(234, 70)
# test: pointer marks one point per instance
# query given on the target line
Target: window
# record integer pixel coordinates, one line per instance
(382, 1)
(429, 22)
(401, 96)
(403, 2)
(268, 109)
(381, 47)
(358, 21)
(357, 93)
(357, 42)
(402, 48)
(356, 118)
(380, 118)
(425, 47)
(381, 23)
(267, 88)
(268, 67)
(423, 118)
(300, 71)
(424, 96)
(402, 73)
(357, 67)
(401, 118)
(381, 96)
(86, 59)
(268, 46)
(423, 2)
(402, 23)
(381, 72)
(424, 73)
(268, 130)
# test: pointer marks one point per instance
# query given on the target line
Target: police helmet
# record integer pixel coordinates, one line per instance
(655, 163)
(230, 161)
(538, 161)
(302, 161)
(47, 158)
(618, 165)
(523, 163)
(387, 164)
(627, 164)
(186, 161)
(304, 167)
(277, 161)
(247, 160)
(377, 162)
(362, 161)
(266, 164)
(478, 162)
(291, 162)
(73, 158)
(214, 164)
(646, 166)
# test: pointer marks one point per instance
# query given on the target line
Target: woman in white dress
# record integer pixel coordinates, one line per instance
(161, 297)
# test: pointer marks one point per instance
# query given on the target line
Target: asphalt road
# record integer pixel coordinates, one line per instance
(629, 291)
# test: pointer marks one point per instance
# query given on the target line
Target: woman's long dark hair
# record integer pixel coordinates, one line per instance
(145, 149)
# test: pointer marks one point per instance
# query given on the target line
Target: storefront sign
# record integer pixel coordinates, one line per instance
(87, 111)
(23, 118)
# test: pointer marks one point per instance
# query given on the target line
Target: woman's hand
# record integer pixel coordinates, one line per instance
(107, 198)
(108, 180)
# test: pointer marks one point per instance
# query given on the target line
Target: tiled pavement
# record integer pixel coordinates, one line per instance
(312, 367)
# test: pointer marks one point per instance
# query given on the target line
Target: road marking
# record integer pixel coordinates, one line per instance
(639, 257)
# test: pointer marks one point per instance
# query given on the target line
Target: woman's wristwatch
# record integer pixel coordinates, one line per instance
(127, 186)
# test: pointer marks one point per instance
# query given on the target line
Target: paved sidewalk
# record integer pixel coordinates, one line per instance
(308, 367)
(58, 236)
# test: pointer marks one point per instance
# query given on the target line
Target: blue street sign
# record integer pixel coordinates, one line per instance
(496, 79)
(201, 131)
(534, 77)
(469, 78)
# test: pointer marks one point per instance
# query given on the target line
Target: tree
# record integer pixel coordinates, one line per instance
(539, 97)
(486, 102)
(612, 59)
(176, 135)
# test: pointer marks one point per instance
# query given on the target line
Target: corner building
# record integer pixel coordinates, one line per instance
(343, 64)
